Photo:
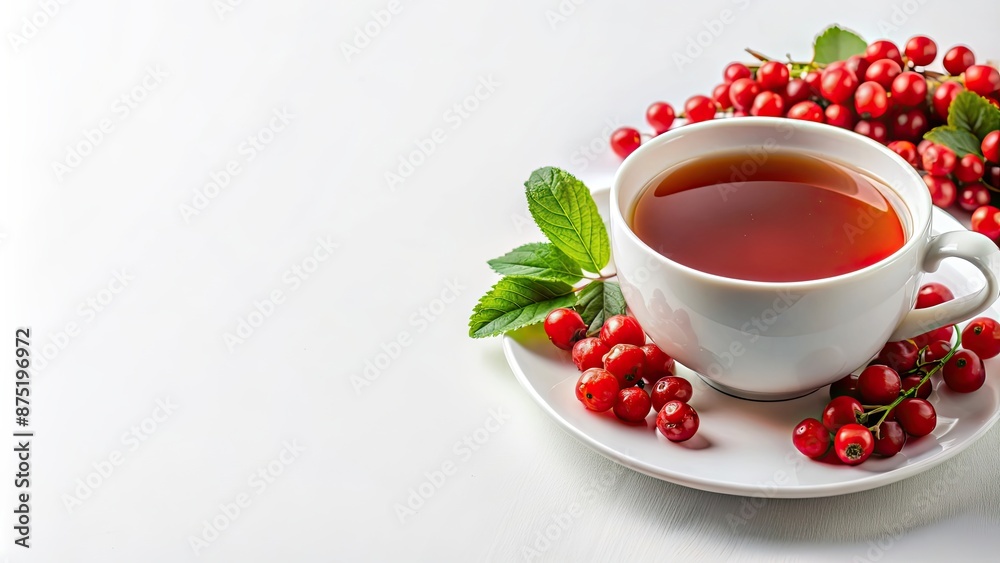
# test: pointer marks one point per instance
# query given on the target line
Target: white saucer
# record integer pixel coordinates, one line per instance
(744, 447)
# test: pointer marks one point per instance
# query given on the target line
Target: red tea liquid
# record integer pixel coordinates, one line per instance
(788, 218)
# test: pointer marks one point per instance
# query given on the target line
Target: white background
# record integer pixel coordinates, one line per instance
(558, 86)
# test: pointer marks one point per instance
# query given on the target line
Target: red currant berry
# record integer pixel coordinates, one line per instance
(891, 439)
(910, 125)
(943, 97)
(625, 140)
(768, 104)
(840, 411)
(735, 71)
(721, 96)
(839, 115)
(772, 75)
(992, 176)
(807, 111)
(982, 336)
(936, 351)
(970, 168)
(921, 50)
(660, 116)
(905, 149)
(597, 389)
(874, 130)
(670, 388)
(870, 99)
(884, 72)
(964, 372)
(909, 89)
(589, 353)
(677, 421)
(627, 363)
(916, 416)
(933, 293)
(911, 381)
(991, 146)
(632, 405)
(853, 443)
(622, 329)
(838, 84)
(811, 438)
(973, 196)
(943, 190)
(883, 49)
(813, 79)
(943, 333)
(658, 363)
(796, 91)
(878, 385)
(982, 79)
(857, 64)
(986, 220)
(742, 93)
(846, 386)
(900, 356)
(699, 108)
(939, 160)
(564, 327)
(957, 59)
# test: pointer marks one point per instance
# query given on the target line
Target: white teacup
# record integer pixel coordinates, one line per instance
(777, 340)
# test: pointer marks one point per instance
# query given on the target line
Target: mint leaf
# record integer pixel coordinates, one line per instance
(956, 139)
(837, 44)
(565, 211)
(538, 260)
(598, 301)
(515, 302)
(972, 112)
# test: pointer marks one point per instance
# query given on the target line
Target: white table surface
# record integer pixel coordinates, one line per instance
(396, 254)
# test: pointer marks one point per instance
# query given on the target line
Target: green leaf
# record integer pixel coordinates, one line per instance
(972, 112)
(565, 211)
(538, 260)
(956, 139)
(837, 44)
(598, 301)
(515, 302)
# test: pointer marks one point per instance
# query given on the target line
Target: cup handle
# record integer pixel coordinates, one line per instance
(972, 247)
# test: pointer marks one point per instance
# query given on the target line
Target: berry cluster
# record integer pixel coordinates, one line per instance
(618, 366)
(885, 94)
(876, 411)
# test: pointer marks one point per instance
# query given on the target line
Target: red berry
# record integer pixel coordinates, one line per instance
(986, 220)
(964, 372)
(677, 421)
(900, 356)
(721, 96)
(925, 339)
(905, 149)
(658, 363)
(632, 405)
(840, 411)
(957, 59)
(625, 140)
(813, 79)
(735, 71)
(622, 329)
(969, 169)
(921, 50)
(991, 146)
(808, 111)
(943, 190)
(870, 98)
(768, 104)
(939, 160)
(564, 327)
(811, 438)
(982, 79)
(982, 336)
(883, 71)
(627, 363)
(857, 64)
(589, 353)
(878, 385)
(874, 130)
(911, 381)
(943, 97)
(838, 84)
(797, 90)
(846, 386)
(937, 350)
(992, 176)
(699, 108)
(670, 388)
(853, 443)
(883, 49)
(909, 89)
(597, 389)
(840, 115)
(772, 75)
(660, 116)
(916, 416)
(931, 294)
(742, 93)
(910, 125)
(891, 439)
